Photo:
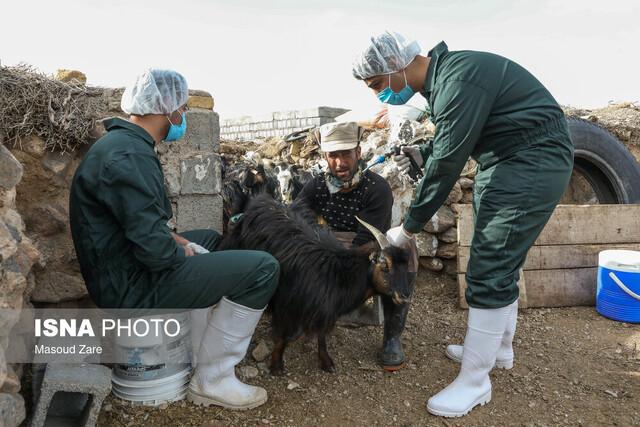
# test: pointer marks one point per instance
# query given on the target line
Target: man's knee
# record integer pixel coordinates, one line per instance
(270, 268)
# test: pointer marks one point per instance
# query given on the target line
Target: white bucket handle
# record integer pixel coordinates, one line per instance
(623, 287)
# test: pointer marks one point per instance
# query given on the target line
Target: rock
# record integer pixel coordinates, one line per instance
(7, 198)
(47, 220)
(56, 162)
(441, 221)
(449, 236)
(455, 195)
(427, 244)
(11, 383)
(33, 145)
(8, 245)
(3, 362)
(433, 264)
(113, 97)
(12, 411)
(466, 183)
(249, 372)
(261, 351)
(26, 256)
(8, 318)
(57, 286)
(14, 223)
(10, 169)
(447, 250)
(469, 170)
(71, 76)
(467, 197)
(293, 385)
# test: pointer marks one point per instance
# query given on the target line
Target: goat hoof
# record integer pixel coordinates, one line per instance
(276, 371)
(328, 367)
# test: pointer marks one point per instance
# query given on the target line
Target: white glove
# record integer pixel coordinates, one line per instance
(401, 238)
(402, 160)
(197, 248)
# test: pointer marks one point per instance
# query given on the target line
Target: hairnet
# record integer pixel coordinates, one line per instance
(387, 52)
(155, 92)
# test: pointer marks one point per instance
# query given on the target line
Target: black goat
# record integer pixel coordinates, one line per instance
(320, 279)
(237, 191)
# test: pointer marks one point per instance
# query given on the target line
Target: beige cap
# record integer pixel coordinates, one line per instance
(340, 136)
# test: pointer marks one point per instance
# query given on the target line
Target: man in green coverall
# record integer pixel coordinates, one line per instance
(491, 109)
(129, 257)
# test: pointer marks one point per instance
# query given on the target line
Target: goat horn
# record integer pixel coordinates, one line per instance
(379, 235)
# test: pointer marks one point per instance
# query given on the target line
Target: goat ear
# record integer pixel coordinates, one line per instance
(369, 248)
(249, 178)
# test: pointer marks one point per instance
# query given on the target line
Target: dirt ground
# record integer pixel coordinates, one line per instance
(573, 367)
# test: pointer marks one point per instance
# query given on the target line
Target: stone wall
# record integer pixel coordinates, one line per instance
(277, 124)
(37, 259)
(17, 256)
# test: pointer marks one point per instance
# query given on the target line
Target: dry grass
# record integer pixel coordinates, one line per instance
(63, 114)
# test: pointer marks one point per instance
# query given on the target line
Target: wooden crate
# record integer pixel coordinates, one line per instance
(560, 269)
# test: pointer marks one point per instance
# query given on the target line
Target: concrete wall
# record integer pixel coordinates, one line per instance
(279, 123)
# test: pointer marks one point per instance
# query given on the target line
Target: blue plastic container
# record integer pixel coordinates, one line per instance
(618, 292)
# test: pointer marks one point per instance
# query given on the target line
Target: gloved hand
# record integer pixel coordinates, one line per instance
(401, 238)
(402, 160)
(197, 248)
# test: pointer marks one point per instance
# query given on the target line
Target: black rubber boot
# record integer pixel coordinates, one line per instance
(392, 357)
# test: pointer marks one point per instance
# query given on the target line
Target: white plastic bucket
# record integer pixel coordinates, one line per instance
(153, 392)
(158, 366)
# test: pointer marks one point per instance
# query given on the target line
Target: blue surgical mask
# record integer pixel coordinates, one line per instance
(388, 96)
(176, 131)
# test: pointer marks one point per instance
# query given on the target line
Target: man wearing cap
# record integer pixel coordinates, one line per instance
(345, 191)
(129, 257)
(491, 109)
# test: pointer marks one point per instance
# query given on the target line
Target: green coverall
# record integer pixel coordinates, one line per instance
(119, 212)
(491, 109)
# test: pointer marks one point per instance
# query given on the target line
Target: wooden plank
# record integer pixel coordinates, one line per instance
(574, 224)
(551, 288)
(556, 257)
(522, 299)
(561, 288)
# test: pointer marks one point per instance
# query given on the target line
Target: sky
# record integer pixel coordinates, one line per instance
(258, 56)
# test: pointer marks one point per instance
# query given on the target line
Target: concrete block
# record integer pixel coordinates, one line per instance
(203, 129)
(199, 211)
(83, 379)
(12, 411)
(263, 117)
(201, 174)
(171, 173)
(283, 115)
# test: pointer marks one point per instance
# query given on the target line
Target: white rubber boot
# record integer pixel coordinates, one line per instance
(472, 386)
(199, 318)
(504, 358)
(224, 345)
